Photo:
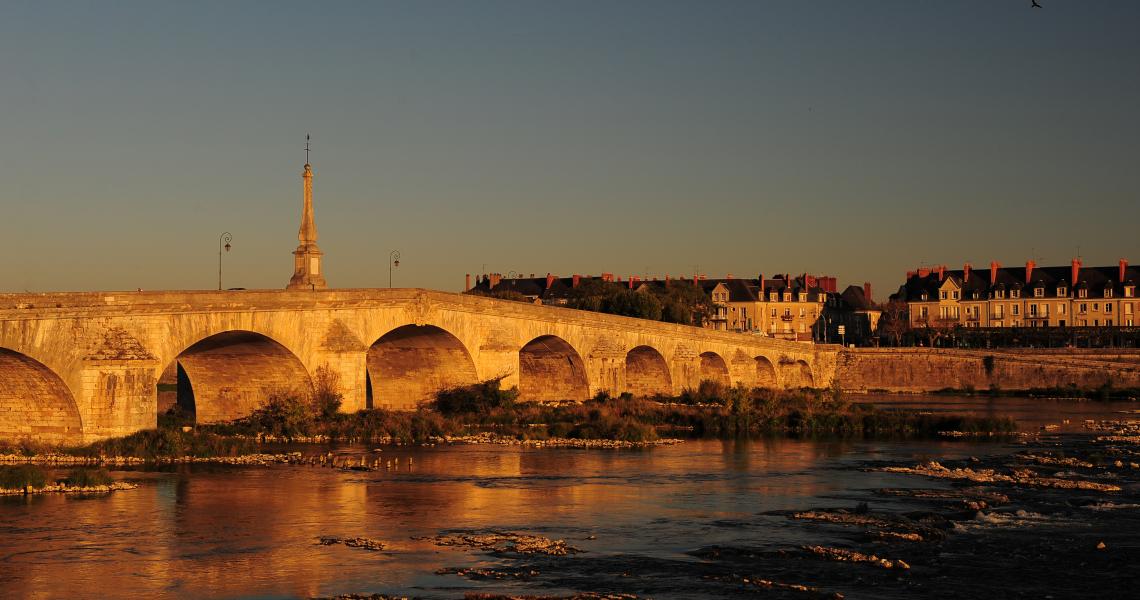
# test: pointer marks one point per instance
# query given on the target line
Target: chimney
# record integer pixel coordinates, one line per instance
(760, 278)
(728, 276)
(994, 266)
(923, 272)
(608, 277)
(965, 272)
(1076, 271)
(867, 291)
(1029, 265)
(495, 279)
(941, 272)
(467, 283)
(577, 280)
(694, 280)
(549, 280)
(631, 283)
(1123, 268)
(532, 275)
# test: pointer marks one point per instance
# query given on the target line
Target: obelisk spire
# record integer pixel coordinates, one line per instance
(307, 257)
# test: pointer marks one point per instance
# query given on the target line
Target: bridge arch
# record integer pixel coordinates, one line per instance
(713, 368)
(35, 403)
(647, 373)
(409, 364)
(796, 374)
(550, 369)
(228, 375)
(765, 373)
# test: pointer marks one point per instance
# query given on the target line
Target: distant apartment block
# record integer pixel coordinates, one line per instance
(1029, 296)
(783, 306)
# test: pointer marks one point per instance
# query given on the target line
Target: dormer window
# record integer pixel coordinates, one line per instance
(1038, 292)
(1107, 292)
(1015, 293)
(773, 296)
(924, 296)
(956, 294)
(1062, 292)
(975, 296)
(803, 297)
(942, 295)
(999, 294)
(1129, 291)
(1082, 293)
(787, 296)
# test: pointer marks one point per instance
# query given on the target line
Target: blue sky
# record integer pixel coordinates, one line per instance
(859, 139)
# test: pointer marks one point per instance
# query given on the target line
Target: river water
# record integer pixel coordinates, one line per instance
(253, 532)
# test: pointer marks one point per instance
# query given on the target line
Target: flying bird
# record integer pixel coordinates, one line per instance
(1035, 4)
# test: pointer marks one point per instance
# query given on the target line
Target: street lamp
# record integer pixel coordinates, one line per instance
(225, 238)
(393, 262)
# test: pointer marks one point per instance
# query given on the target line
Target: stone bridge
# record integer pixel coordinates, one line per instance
(76, 367)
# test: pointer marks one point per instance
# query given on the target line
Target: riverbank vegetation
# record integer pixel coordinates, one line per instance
(1104, 392)
(712, 410)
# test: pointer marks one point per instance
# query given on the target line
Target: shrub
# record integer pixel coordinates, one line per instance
(327, 397)
(89, 477)
(481, 397)
(22, 476)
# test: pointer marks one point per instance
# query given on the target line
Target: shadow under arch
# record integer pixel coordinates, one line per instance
(765, 373)
(228, 375)
(550, 369)
(796, 374)
(409, 364)
(647, 373)
(35, 403)
(713, 368)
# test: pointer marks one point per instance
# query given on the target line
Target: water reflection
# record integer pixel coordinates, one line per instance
(222, 532)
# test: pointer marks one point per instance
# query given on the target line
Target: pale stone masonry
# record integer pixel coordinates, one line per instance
(83, 366)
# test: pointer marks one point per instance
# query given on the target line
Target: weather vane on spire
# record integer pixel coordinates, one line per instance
(306, 148)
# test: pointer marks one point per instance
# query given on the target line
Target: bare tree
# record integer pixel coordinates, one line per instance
(895, 320)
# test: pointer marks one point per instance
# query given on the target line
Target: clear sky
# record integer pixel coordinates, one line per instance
(859, 139)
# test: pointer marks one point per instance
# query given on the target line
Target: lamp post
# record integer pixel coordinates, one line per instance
(225, 238)
(393, 262)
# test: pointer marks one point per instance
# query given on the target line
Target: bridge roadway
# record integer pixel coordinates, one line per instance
(76, 367)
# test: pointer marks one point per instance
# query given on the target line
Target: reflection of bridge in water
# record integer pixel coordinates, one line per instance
(81, 366)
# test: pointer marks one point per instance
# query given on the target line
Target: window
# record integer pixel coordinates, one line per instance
(999, 311)
(922, 312)
(787, 296)
(1038, 292)
(773, 313)
(787, 312)
(1015, 309)
(1129, 291)
(1082, 293)
(1096, 306)
(924, 296)
(1061, 292)
(1107, 292)
(999, 294)
(956, 294)
(1061, 309)
(1107, 308)
(801, 311)
(1108, 322)
(1084, 308)
(975, 295)
(801, 327)
(773, 296)
(1128, 308)
(1033, 310)
(943, 295)
(1015, 293)
(803, 297)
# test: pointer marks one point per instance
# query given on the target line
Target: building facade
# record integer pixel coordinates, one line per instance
(1029, 296)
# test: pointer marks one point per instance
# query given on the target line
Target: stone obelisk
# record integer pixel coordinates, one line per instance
(307, 273)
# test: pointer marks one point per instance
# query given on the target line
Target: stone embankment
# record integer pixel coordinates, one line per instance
(930, 369)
